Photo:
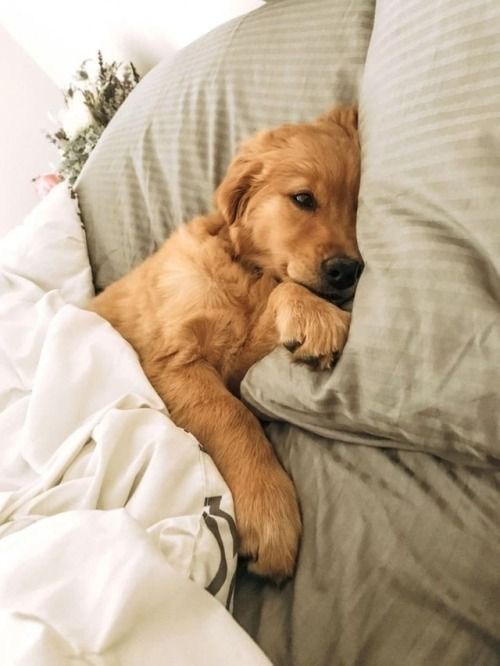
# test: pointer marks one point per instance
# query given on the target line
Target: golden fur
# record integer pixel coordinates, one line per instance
(225, 289)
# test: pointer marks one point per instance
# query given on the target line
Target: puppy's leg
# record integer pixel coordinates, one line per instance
(266, 507)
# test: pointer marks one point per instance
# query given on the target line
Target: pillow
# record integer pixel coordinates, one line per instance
(422, 363)
(161, 158)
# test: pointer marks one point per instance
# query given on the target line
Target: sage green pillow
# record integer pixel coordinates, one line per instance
(161, 158)
(421, 369)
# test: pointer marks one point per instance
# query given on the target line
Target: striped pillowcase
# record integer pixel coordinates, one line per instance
(422, 365)
(160, 160)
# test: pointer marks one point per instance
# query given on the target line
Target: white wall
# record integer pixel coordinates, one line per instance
(42, 44)
(60, 34)
(27, 93)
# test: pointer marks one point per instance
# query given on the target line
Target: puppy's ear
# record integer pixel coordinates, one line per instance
(233, 194)
(345, 116)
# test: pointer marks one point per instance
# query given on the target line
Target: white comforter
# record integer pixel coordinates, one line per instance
(112, 520)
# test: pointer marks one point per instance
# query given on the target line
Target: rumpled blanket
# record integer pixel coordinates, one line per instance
(117, 535)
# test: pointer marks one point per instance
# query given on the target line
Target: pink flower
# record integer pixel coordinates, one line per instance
(43, 184)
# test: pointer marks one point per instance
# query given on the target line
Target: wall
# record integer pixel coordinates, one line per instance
(59, 35)
(27, 95)
(41, 45)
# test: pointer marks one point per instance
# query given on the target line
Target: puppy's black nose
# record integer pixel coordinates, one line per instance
(341, 272)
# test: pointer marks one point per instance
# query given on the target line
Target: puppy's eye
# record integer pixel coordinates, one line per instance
(304, 200)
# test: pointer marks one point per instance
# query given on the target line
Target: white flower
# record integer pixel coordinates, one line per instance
(76, 116)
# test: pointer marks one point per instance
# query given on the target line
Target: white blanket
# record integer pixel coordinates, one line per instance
(112, 519)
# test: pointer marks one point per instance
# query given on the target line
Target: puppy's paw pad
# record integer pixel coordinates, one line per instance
(321, 362)
(332, 361)
(313, 362)
(292, 345)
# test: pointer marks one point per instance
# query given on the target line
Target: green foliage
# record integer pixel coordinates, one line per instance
(102, 96)
(75, 152)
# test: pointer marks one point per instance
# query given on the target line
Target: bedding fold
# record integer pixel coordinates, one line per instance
(113, 521)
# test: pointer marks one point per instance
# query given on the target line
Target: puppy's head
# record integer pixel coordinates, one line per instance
(290, 196)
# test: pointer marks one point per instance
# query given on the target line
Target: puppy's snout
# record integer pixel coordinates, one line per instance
(341, 272)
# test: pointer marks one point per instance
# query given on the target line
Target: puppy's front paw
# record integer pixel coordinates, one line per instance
(269, 525)
(315, 332)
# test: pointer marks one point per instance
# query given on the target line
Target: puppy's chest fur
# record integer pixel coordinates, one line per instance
(192, 300)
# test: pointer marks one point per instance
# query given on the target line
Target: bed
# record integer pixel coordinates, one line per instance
(396, 452)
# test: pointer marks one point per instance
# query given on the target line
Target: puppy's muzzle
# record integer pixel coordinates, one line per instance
(339, 275)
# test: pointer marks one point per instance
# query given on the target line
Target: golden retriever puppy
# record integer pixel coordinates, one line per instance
(269, 267)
